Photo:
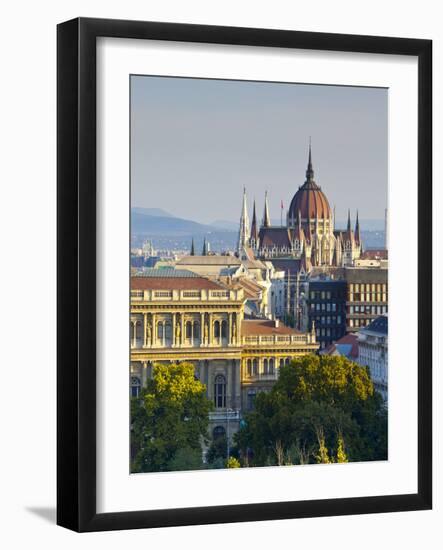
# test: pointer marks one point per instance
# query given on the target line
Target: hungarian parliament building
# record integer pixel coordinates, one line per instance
(309, 234)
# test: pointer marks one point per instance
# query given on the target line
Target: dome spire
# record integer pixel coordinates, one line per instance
(310, 170)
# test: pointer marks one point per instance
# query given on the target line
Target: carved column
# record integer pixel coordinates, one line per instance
(173, 330)
(211, 330)
(202, 329)
(154, 329)
(145, 327)
(134, 336)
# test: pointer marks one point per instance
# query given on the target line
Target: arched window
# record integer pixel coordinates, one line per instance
(188, 330)
(135, 386)
(160, 331)
(249, 367)
(265, 366)
(217, 329)
(287, 360)
(196, 330)
(218, 432)
(224, 329)
(271, 366)
(282, 362)
(220, 391)
(255, 366)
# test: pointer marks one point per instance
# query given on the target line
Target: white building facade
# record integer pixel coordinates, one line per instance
(373, 352)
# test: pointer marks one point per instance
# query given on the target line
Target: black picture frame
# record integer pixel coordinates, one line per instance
(76, 281)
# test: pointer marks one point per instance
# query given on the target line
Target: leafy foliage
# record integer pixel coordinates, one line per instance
(169, 420)
(233, 462)
(318, 403)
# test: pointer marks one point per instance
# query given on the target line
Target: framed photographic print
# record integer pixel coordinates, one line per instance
(244, 274)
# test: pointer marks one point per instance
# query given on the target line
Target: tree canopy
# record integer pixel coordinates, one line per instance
(169, 420)
(322, 409)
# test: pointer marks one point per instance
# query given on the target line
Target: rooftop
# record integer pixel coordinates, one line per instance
(209, 260)
(259, 327)
(170, 279)
(380, 325)
(346, 346)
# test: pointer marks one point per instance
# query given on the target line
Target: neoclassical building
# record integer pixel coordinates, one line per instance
(309, 234)
(180, 316)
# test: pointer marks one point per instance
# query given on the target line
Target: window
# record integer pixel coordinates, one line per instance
(255, 366)
(265, 366)
(160, 331)
(188, 330)
(217, 329)
(224, 329)
(218, 432)
(249, 367)
(135, 386)
(220, 391)
(282, 362)
(271, 366)
(251, 399)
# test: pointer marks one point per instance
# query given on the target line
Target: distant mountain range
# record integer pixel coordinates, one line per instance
(154, 221)
(157, 222)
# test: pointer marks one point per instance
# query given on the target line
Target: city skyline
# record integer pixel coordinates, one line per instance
(191, 136)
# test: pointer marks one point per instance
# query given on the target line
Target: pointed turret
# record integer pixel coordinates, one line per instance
(205, 248)
(357, 229)
(266, 217)
(349, 221)
(192, 253)
(243, 233)
(254, 229)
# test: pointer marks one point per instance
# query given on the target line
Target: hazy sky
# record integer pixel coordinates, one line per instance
(195, 143)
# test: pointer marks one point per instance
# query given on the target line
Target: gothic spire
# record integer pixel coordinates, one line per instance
(204, 251)
(192, 253)
(243, 234)
(357, 229)
(254, 229)
(349, 220)
(266, 217)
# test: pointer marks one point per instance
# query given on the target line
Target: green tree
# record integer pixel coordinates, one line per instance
(168, 420)
(322, 456)
(233, 462)
(315, 395)
(217, 450)
(341, 454)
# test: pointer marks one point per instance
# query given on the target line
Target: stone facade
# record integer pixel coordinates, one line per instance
(188, 318)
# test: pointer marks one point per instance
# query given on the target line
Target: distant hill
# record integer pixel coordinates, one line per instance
(151, 212)
(146, 224)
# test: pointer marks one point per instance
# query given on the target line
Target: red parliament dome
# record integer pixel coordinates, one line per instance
(309, 201)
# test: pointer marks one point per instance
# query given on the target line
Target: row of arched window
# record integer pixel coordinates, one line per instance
(269, 365)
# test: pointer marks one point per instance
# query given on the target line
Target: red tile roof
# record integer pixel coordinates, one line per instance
(262, 327)
(174, 283)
